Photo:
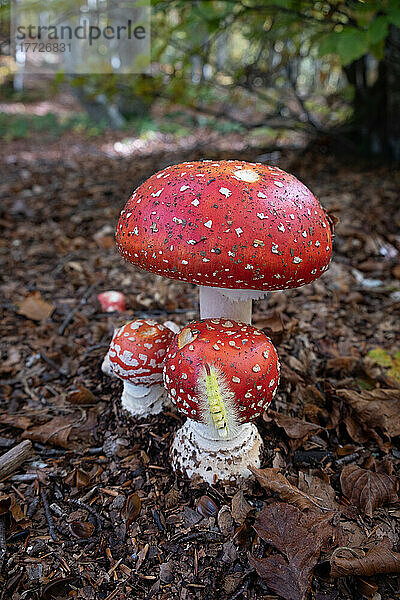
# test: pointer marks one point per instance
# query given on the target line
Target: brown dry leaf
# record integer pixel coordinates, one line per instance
(379, 559)
(297, 430)
(57, 588)
(172, 497)
(82, 529)
(55, 431)
(376, 411)
(318, 488)
(275, 482)
(273, 323)
(82, 396)
(78, 479)
(35, 307)
(289, 375)
(240, 507)
(17, 421)
(8, 505)
(344, 364)
(299, 537)
(132, 508)
(225, 521)
(368, 490)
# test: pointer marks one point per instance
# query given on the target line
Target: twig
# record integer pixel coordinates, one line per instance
(89, 540)
(2, 541)
(345, 460)
(11, 460)
(90, 510)
(48, 515)
(200, 536)
(32, 507)
(63, 372)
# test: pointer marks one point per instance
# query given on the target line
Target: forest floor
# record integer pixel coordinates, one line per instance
(96, 511)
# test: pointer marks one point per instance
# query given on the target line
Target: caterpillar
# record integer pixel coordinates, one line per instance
(216, 403)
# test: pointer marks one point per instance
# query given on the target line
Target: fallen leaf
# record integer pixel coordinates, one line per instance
(379, 559)
(55, 431)
(172, 497)
(17, 421)
(82, 529)
(297, 430)
(8, 505)
(376, 411)
(35, 307)
(273, 323)
(240, 507)
(299, 537)
(82, 396)
(366, 489)
(78, 479)
(132, 508)
(225, 521)
(318, 488)
(275, 482)
(57, 587)
(344, 364)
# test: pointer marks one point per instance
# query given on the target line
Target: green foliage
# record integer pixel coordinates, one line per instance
(363, 31)
(278, 60)
(47, 126)
(390, 363)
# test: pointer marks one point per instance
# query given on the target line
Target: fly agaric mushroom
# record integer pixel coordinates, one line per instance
(112, 301)
(221, 375)
(106, 365)
(236, 229)
(136, 356)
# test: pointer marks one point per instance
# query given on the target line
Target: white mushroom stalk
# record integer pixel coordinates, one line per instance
(141, 400)
(231, 304)
(198, 450)
(220, 374)
(136, 356)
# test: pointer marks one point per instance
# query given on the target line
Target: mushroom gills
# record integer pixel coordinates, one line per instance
(216, 403)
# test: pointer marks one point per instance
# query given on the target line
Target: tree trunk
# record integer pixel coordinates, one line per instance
(377, 107)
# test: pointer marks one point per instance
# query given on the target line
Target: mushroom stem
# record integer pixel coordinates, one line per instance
(230, 304)
(213, 304)
(141, 401)
(198, 450)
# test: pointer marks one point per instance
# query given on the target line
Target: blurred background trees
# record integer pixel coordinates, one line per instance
(313, 67)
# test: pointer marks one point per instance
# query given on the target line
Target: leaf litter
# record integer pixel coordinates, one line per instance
(337, 405)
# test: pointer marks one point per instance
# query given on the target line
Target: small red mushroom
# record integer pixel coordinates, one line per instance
(136, 356)
(235, 228)
(112, 301)
(222, 375)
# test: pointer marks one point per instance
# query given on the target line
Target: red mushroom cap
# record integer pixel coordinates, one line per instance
(138, 350)
(112, 300)
(241, 364)
(229, 224)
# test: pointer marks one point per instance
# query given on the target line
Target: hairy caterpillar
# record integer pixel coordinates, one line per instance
(217, 402)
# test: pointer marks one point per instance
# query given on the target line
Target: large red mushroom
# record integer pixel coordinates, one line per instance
(136, 356)
(221, 375)
(236, 229)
